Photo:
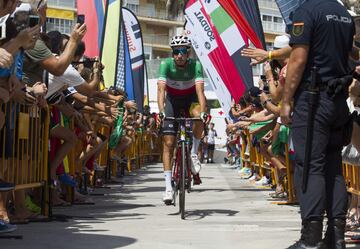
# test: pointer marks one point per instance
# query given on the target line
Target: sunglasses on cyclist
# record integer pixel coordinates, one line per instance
(181, 51)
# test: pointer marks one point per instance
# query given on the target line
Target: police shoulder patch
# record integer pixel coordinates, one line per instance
(298, 28)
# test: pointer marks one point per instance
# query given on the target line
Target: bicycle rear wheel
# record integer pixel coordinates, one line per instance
(182, 181)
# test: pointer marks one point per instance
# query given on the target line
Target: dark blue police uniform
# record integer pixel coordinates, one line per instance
(326, 27)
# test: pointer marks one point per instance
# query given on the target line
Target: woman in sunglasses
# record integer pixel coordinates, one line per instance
(181, 78)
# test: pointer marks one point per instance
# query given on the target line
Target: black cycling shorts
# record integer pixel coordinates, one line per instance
(177, 107)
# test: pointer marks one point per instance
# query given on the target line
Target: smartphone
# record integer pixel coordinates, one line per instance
(81, 19)
(33, 21)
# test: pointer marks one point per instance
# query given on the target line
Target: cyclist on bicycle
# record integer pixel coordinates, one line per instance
(180, 88)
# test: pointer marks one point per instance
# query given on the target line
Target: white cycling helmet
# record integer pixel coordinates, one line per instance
(180, 40)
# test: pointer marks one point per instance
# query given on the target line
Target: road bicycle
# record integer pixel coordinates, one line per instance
(181, 172)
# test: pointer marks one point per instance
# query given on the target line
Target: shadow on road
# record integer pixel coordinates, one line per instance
(201, 214)
(69, 238)
(230, 190)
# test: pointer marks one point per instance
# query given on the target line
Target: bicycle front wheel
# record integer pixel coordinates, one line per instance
(182, 181)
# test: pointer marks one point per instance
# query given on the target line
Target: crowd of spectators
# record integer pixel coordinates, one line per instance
(48, 72)
(257, 115)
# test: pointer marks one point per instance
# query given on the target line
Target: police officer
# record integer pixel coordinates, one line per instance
(322, 37)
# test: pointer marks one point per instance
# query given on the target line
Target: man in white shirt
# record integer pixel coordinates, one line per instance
(211, 142)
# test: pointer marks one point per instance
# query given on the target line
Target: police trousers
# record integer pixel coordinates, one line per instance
(326, 189)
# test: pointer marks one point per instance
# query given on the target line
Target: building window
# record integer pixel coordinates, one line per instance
(148, 52)
(61, 25)
(133, 7)
(257, 70)
(267, 18)
(269, 45)
(278, 19)
(62, 3)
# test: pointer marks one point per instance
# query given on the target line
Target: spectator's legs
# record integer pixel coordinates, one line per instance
(264, 150)
(205, 151)
(124, 143)
(69, 141)
(92, 151)
(280, 172)
(21, 212)
(352, 211)
(3, 210)
(211, 154)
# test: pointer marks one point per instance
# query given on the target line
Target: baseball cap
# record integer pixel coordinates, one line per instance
(281, 41)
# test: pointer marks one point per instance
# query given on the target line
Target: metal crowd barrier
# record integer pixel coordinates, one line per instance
(24, 148)
(352, 178)
(252, 157)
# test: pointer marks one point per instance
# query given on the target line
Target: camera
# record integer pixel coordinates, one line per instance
(266, 89)
(88, 62)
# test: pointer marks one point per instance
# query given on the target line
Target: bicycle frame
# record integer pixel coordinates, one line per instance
(183, 142)
(181, 174)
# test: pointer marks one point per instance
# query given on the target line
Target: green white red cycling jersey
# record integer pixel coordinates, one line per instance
(180, 81)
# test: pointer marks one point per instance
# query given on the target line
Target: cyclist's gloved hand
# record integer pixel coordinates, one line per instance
(203, 116)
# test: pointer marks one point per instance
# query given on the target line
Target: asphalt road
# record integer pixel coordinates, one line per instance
(224, 212)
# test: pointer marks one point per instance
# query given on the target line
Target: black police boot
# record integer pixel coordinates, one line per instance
(311, 234)
(335, 234)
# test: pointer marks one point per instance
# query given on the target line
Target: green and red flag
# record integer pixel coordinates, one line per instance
(220, 30)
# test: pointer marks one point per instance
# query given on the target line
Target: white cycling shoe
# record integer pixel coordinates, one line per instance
(195, 164)
(168, 197)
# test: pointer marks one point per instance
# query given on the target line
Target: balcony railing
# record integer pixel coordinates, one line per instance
(156, 39)
(154, 13)
(272, 27)
(63, 3)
